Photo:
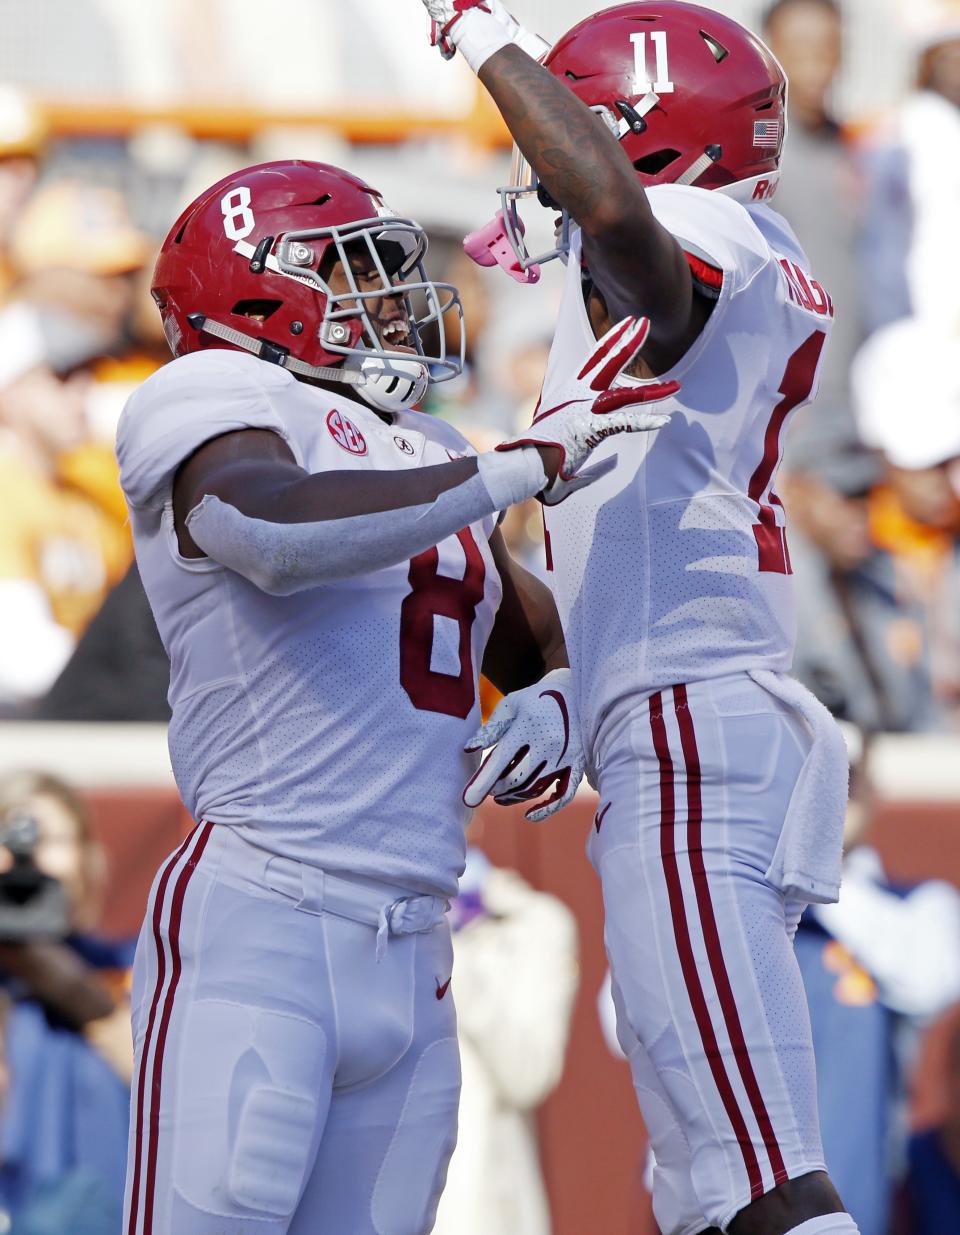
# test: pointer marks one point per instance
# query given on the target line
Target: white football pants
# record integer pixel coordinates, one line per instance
(286, 1080)
(694, 786)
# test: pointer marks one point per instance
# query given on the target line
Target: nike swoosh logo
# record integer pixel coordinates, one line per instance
(561, 703)
(442, 990)
(600, 815)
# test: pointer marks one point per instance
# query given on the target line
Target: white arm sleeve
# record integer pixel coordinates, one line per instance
(283, 558)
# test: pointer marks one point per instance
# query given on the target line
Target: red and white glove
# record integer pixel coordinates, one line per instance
(478, 28)
(538, 748)
(587, 410)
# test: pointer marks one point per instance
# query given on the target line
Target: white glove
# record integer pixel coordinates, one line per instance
(533, 44)
(585, 411)
(538, 748)
(478, 28)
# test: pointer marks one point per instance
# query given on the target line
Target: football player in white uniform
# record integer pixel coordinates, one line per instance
(654, 130)
(326, 574)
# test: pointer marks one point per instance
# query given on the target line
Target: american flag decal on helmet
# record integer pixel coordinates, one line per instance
(766, 133)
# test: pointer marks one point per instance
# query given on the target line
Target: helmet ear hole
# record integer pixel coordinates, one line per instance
(653, 164)
(258, 309)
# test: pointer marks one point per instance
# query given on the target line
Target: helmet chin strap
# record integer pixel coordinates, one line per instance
(388, 385)
(711, 155)
(272, 352)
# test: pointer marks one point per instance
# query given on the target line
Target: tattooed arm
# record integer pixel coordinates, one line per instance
(636, 264)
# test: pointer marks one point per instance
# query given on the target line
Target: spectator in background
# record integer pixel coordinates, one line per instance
(119, 671)
(22, 135)
(845, 604)
(63, 1126)
(931, 1193)
(909, 246)
(81, 261)
(65, 541)
(60, 546)
(818, 196)
(915, 513)
(876, 966)
(515, 967)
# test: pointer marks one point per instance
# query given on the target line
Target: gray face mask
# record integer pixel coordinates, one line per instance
(392, 250)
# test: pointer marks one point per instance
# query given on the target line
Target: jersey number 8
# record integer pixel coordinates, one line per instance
(435, 595)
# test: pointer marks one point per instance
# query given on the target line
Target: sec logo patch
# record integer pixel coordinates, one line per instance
(346, 434)
(402, 444)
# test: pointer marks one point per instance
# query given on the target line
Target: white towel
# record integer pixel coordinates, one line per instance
(806, 863)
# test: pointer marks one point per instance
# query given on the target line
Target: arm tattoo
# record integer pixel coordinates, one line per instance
(636, 263)
(574, 154)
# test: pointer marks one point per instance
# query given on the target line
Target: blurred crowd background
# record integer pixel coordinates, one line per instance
(115, 115)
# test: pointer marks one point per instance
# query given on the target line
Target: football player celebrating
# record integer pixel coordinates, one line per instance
(326, 575)
(654, 130)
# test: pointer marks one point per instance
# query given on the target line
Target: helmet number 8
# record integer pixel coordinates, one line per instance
(238, 220)
(663, 84)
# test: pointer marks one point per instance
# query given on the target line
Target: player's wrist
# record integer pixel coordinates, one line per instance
(512, 476)
(478, 35)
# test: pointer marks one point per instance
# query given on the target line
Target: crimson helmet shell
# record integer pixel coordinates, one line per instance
(241, 267)
(717, 86)
(693, 97)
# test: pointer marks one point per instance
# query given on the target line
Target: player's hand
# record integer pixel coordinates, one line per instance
(444, 15)
(535, 734)
(446, 30)
(587, 410)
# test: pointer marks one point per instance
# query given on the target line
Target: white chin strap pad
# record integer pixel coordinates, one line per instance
(390, 385)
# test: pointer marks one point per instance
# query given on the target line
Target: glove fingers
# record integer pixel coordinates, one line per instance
(498, 763)
(490, 734)
(561, 489)
(530, 788)
(618, 347)
(563, 793)
(631, 396)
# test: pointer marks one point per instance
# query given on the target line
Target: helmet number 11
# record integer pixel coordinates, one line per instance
(662, 84)
(238, 220)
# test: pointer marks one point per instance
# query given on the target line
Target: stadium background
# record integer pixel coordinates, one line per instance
(156, 100)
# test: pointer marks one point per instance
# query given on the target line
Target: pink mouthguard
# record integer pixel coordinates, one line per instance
(490, 247)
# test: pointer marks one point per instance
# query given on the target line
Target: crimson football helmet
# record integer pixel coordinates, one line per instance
(248, 265)
(693, 97)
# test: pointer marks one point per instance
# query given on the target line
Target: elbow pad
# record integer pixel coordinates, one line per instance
(284, 558)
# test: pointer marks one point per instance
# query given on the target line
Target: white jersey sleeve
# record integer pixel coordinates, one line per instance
(715, 230)
(189, 402)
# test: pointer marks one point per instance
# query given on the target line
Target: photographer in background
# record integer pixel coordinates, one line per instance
(63, 1124)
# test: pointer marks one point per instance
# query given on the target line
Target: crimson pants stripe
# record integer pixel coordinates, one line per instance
(145, 1049)
(688, 962)
(711, 935)
(203, 831)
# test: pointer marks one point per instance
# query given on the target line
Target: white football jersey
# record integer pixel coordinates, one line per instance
(675, 566)
(326, 726)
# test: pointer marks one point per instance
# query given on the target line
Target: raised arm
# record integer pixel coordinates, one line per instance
(636, 264)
